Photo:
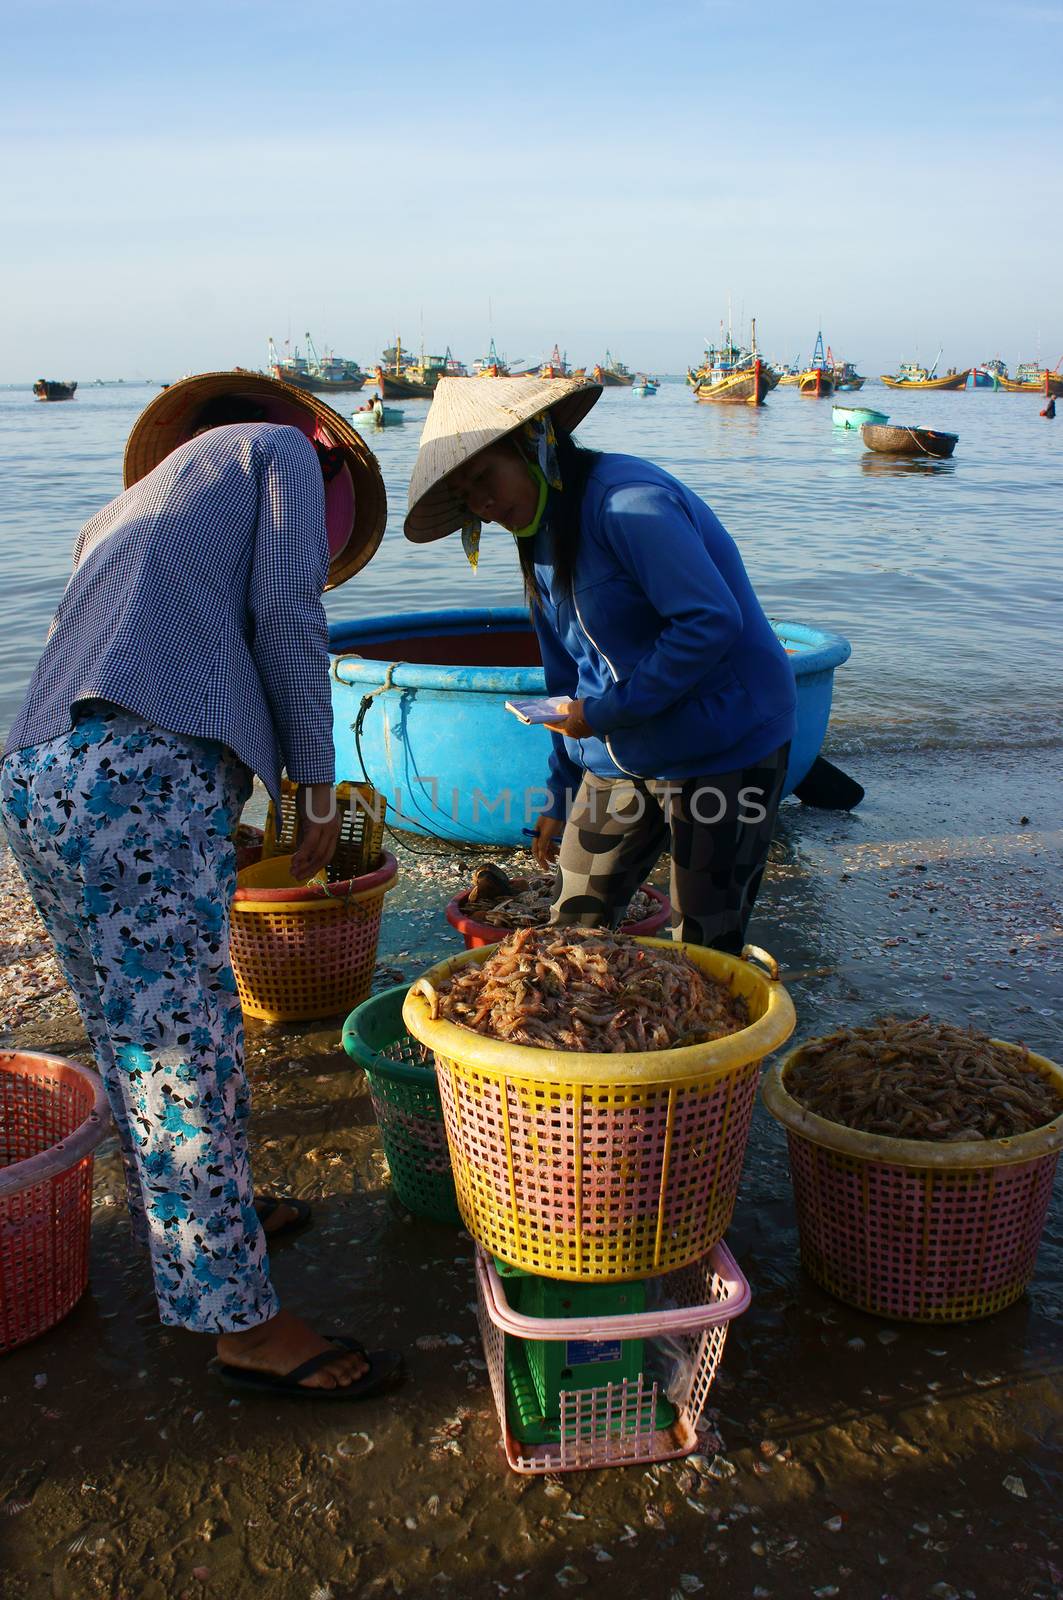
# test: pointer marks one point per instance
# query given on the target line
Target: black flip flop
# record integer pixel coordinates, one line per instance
(386, 1370)
(267, 1204)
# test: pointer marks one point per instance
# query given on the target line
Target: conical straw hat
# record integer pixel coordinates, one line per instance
(355, 503)
(467, 415)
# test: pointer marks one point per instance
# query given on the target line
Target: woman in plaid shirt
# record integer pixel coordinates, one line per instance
(189, 651)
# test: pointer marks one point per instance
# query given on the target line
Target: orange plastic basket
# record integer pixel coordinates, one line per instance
(301, 954)
(53, 1114)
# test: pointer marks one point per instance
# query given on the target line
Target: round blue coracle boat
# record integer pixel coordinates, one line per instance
(418, 701)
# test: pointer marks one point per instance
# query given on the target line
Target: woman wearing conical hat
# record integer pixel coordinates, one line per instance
(188, 651)
(679, 699)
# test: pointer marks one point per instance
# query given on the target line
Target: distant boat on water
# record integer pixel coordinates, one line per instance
(989, 375)
(1032, 378)
(613, 374)
(492, 365)
(400, 376)
(818, 379)
(557, 366)
(52, 389)
(323, 374)
(913, 376)
(846, 377)
(730, 375)
(644, 388)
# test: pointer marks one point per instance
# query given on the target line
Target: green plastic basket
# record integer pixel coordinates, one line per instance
(402, 1082)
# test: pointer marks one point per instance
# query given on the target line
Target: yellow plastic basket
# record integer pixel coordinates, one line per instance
(609, 1167)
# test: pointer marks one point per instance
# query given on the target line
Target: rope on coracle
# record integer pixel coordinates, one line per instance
(359, 721)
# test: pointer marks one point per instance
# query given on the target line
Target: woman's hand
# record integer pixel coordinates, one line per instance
(318, 829)
(547, 837)
(575, 725)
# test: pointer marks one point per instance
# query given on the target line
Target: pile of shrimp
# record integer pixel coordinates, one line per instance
(922, 1080)
(581, 989)
(530, 907)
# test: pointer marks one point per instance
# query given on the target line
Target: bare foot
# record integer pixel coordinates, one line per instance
(284, 1343)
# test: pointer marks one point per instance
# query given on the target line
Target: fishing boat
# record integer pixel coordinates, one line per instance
(614, 374)
(988, 375)
(321, 374)
(397, 378)
(52, 389)
(1032, 378)
(732, 376)
(913, 376)
(644, 388)
(846, 376)
(900, 439)
(492, 365)
(856, 416)
(817, 380)
(557, 366)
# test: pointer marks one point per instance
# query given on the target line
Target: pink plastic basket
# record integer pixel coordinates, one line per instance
(53, 1114)
(613, 1424)
(914, 1229)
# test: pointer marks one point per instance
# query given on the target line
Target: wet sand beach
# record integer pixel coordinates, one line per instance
(845, 1455)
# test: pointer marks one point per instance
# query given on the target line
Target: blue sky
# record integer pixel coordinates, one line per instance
(179, 181)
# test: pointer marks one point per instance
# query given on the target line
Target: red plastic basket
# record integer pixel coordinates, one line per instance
(918, 1230)
(478, 934)
(53, 1114)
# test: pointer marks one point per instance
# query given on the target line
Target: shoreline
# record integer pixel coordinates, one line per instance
(852, 1457)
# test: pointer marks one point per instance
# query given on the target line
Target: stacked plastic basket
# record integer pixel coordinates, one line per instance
(598, 1189)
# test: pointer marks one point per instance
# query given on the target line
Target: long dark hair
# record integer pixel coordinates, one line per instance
(564, 510)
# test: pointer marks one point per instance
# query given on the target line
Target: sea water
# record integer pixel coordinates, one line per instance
(947, 577)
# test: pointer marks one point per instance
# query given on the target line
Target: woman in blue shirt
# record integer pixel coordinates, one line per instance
(679, 699)
(190, 650)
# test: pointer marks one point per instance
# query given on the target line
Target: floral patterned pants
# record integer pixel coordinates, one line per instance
(122, 832)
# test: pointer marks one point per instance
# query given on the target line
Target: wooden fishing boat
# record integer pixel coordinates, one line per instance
(817, 383)
(912, 376)
(789, 379)
(557, 366)
(817, 380)
(396, 386)
(732, 376)
(1034, 379)
(492, 365)
(644, 388)
(988, 375)
(901, 440)
(739, 386)
(614, 374)
(855, 416)
(52, 389)
(324, 374)
(846, 376)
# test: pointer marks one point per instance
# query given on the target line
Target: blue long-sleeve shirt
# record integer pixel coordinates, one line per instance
(662, 637)
(195, 602)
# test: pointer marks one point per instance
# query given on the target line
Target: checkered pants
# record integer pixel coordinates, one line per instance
(718, 829)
